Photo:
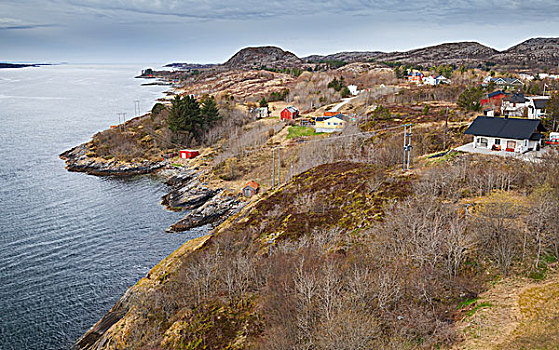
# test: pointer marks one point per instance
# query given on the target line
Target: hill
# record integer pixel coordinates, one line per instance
(532, 52)
(268, 56)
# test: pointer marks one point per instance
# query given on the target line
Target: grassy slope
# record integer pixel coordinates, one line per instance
(520, 314)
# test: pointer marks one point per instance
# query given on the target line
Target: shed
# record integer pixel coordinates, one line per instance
(289, 113)
(251, 188)
(188, 153)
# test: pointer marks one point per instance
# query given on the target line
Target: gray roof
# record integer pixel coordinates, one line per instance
(507, 128)
(540, 103)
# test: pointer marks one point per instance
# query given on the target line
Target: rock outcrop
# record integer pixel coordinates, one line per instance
(214, 211)
(268, 56)
(78, 160)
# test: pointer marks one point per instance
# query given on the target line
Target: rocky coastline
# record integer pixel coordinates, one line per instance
(77, 160)
(204, 205)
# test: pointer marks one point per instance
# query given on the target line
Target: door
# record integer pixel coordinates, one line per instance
(511, 145)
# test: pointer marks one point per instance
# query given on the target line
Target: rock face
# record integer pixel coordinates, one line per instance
(77, 160)
(215, 211)
(205, 205)
(269, 56)
(536, 51)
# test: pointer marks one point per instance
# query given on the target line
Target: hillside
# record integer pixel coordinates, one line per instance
(532, 53)
(268, 56)
(347, 254)
(470, 53)
(537, 51)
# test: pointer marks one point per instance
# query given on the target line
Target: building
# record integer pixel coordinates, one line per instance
(262, 112)
(536, 107)
(494, 99)
(188, 153)
(415, 76)
(331, 123)
(251, 188)
(506, 134)
(353, 90)
(515, 105)
(289, 113)
(503, 81)
(435, 80)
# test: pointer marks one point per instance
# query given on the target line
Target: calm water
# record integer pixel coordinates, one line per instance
(70, 244)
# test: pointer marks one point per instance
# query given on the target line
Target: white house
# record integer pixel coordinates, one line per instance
(506, 134)
(515, 105)
(536, 107)
(503, 81)
(353, 90)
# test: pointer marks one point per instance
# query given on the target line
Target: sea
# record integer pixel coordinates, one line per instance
(71, 243)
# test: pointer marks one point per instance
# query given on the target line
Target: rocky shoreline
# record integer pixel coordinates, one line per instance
(205, 205)
(77, 160)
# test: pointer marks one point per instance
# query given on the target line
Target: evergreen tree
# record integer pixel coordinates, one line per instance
(184, 114)
(209, 112)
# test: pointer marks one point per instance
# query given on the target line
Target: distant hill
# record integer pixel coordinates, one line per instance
(536, 51)
(532, 53)
(269, 56)
(353, 56)
(469, 53)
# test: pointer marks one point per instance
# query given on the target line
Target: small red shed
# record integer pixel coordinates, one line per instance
(289, 113)
(188, 153)
(251, 188)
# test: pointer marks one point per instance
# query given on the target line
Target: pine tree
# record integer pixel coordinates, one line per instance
(209, 112)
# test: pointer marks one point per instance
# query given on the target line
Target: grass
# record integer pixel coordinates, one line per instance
(298, 131)
(478, 307)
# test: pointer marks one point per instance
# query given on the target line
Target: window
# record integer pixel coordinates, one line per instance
(525, 143)
(497, 141)
(481, 142)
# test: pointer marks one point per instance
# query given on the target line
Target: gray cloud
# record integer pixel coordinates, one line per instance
(211, 30)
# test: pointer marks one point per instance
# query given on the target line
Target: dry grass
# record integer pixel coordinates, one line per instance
(523, 315)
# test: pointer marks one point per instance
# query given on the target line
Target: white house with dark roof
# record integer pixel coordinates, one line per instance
(506, 134)
(536, 107)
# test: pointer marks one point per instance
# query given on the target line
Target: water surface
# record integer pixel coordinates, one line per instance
(70, 243)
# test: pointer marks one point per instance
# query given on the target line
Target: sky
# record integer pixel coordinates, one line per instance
(210, 31)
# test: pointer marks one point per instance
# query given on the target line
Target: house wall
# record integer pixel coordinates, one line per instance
(521, 146)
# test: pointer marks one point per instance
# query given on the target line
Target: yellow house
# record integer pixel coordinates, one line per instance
(330, 123)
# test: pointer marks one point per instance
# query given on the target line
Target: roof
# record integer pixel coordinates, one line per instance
(326, 117)
(496, 93)
(508, 128)
(516, 98)
(291, 109)
(252, 184)
(540, 103)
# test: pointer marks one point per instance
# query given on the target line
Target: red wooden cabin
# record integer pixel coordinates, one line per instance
(188, 153)
(289, 113)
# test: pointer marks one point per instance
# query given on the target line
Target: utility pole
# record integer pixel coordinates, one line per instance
(407, 147)
(136, 108)
(273, 168)
(279, 167)
(445, 129)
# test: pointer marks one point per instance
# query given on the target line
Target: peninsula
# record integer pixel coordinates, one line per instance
(346, 211)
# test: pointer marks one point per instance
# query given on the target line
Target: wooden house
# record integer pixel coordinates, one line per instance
(289, 113)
